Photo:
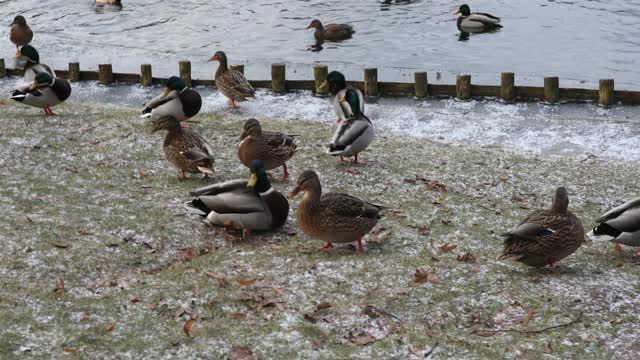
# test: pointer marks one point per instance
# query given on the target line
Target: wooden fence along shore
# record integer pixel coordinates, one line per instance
(463, 89)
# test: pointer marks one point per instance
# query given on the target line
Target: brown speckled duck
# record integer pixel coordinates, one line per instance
(20, 33)
(330, 32)
(333, 217)
(273, 148)
(545, 236)
(232, 83)
(184, 148)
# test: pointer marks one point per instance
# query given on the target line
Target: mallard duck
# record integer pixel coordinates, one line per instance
(232, 83)
(109, 2)
(250, 205)
(20, 33)
(620, 225)
(355, 133)
(184, 148)
(273, 148)
(474, 22)
(333, 217)
(545, 236)
(45, 92)
(337, 86)
(32, 65)
(330, 32)
(177, 100)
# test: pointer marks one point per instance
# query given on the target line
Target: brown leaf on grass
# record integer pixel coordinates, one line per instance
(70, 350)
(516, 197)
(468, 258)
(379, 239)
(83, 232)
(188, 254)
(323, 306)
(316, 344)
(424, 230)
(222, 280)
(59, 289)
(353, 171)
(362, 339)
(240, 353)
(439, 200)
(528, 318)
(187, 327)
(312, 317)
(238, 315)
(135, 301)
(246, 282)
(422, 276)
(109, 327)
(434, 185)
(60, 244)
(447, 247)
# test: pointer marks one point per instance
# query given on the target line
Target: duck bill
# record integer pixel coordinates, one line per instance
(253, 179)
(33, 86)
(324, 86)
(166, 92)
(19, 54)
(457, 12)
(308, 27)
(294, 193)
(213, 58)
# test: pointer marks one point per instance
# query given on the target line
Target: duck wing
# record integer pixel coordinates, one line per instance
(625, 218)
(159, 100)
(348, 132)
(220, 187)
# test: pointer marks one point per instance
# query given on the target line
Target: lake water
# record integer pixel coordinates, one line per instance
(579, 41)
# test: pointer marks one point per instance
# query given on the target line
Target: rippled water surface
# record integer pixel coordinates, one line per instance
(580, 41)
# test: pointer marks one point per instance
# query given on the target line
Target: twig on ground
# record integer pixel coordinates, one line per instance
(490, 331)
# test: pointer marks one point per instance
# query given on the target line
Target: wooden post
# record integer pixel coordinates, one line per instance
(185, 72)
(106, 74)
(371, 82)
(551, 89)
(278, 82)
(507, 86)
(238, 67)
(146, 77)
(422, 86)
(606, 97)
(74, 72)
(3, 70)
(463, 87)
(320, 75)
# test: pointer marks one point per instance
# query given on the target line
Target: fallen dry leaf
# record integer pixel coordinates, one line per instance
(468, 258)
(422, 276)
(135, 301)
(323, 306)
(59, 289)
(517, 197)
(312, 317)
(238, 315)
(109, 328)
(188, 254)
(424, 230)
(222, 280)
(70, 350)
(354, 171)
(362, 339)
(187, 327)
(447, 247)
(316, 344)
(246, 282)
(240, 353)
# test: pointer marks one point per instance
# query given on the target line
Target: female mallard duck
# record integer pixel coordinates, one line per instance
(45, 92)
(330, 32)
(252, 205)
(333, 217)
(337, 86)
(232, 83)
(178, 101)
(475, 22)
(273, 148)
(620, 225)
(20, 33)
(355, 133)
(184, 148)
(545, 236)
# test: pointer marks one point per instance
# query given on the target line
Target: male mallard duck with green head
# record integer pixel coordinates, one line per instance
(476, 22)
(20, 33)
(184, 148)
(32, 65)
(337, 86)
(232, 83)
(545, 236)
(250, 205)
(330, 32)
(333, 217)
(273, 148)
(44, 92)
(620, 225)
(355, 133)
(178, 100)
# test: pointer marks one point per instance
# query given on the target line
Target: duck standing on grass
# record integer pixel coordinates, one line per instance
(272, 148)
(545, 236)
(178, 101)
(476, 22)
(20, 33)
(232, 83)
(45, 91)
(184, 148)
(248, 205)
(337, 86)
(620, 225)
(333, 217)
(330, 32)
(355, 133)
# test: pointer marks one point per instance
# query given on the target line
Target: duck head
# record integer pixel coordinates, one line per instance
(30, 53)
(560, 204)
(19, 20)
(351, 97)
(174, 83)
(219, 56)
(258, 179)
(165, 123)
(464, 10)
(252, 127)
(42, 80)
(315, 24)
(309, 183)
(335, 82)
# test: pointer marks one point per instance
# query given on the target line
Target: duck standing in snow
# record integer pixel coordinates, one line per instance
(44, 92)
(178, 101)
(620, 225)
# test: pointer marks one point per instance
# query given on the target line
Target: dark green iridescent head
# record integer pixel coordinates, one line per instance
(258, 178)
(464, 10)
(175, 83)
(354, 101)
(30, 53)
(43, 79)
(336, 81)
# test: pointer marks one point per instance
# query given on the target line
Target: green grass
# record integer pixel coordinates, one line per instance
(88, 198)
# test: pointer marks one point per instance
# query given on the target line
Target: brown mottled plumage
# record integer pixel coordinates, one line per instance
(273, 148)
(330, 32)
(20, 33)
(184, 148)
(545, 236)
(231, 83)
(333, 217)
